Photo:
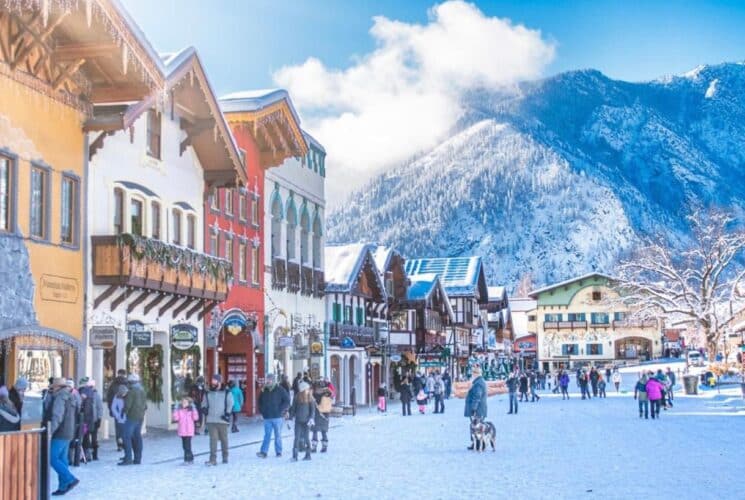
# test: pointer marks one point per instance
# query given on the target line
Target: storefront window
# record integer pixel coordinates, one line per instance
(184, 370)
(38, 359)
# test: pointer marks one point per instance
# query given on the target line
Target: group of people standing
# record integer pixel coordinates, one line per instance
(425, 388)
(654, 391)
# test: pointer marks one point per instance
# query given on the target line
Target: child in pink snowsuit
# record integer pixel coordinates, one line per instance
(381, 398)
(186, 415)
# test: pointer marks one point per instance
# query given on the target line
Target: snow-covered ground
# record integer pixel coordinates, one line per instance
(551, 449)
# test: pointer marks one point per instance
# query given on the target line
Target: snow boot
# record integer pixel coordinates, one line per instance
(95, 453)
(294, 454)
(307, 454)
(324, 446)
(314, 446)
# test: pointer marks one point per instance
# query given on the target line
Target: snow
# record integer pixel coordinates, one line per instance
(522, 304)
(712, 88)
(458, 275)
(551, 449)
(421, 286)
(343, 263)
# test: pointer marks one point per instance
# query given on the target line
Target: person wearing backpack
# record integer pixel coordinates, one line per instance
(219, 405)
(324, 403)
(438, 388)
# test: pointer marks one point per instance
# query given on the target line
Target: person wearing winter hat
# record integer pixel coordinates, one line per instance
(17, 393)
(198, 394)
(62, 428)
(117, 412)
(120, 380)
(303, 410)
(219, 405)
(274, 401)
(91, 413)
(135, 407)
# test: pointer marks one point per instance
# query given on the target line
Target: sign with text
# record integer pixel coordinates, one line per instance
(139, 336)
(102, 337)
(58, 288)
(184, 336)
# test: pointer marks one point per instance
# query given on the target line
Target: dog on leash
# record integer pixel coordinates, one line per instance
(482, 433)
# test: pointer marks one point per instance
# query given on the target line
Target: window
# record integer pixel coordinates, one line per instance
(594, 349)
(552, 317)
(191, 231)
(596, 295)
(304, 226)
(291, 233)
(214, 200)
(241, 261)
(39, 202)
(337, 312)
(155, 219)
(317, 243)
(118, 211)
(135, 216)
(619, 316)
(176, 226)
(228, 201)
(242, 207)
(576, 317)
(360, 316)
(599, 318)
(255, 210)
(348, 315)
(255, 263)
(569, 349)
(229, 249)
(6, 194)
(214, 249)
(153, 133)
(531, 317)
(68, 218)
(276, 228)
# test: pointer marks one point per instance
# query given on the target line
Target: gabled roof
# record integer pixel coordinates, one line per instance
(312, 140)
(460, 276)
(535, 293)
(344, 263)
(496, 293)
(522, 304)
(423, 286)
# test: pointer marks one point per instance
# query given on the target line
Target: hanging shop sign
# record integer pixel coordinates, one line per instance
(348, 343)
(184, 336)
(396, 358)
(300, 353)
(285, 341)
(236, 322)
(316, 349)
(139, 336)
(102, 337)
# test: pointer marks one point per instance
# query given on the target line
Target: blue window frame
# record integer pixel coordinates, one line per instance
(599, 318)
(553, 317)
(569, 349)
(576, 317)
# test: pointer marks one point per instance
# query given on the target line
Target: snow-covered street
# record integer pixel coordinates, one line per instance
(551, 449)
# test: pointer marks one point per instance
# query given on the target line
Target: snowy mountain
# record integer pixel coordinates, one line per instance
(561, 176)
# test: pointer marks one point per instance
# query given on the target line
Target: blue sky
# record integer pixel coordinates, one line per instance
(243, 41)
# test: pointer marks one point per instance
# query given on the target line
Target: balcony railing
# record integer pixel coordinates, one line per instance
(361, 335)
(279, 273)
(600, 324)
(550, 324)
(306, 280)
(293, 276)
(136, 261)
(647, 323)
(319, 284)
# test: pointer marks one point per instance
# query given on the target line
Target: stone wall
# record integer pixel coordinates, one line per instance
(17, 296)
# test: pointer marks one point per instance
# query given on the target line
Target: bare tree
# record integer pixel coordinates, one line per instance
(703, 285)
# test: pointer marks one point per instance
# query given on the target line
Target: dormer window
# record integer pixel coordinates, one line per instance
(153, 134)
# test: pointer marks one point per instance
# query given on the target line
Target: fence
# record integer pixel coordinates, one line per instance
(24, 465)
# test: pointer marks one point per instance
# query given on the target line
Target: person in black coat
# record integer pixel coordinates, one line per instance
(274, 402)
(523, 386)
(303, 410)
(594, 377)
(406, 396)
(448, 384)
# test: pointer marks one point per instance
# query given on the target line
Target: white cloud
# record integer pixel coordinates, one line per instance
(402, 97)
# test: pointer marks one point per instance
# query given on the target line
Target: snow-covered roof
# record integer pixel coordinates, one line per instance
(568, 282)
(459, 275)
(382, 256)
(522, 304)
(312, 140)
(495, 292)
(423, 285)
(343, 264)
(254, 100)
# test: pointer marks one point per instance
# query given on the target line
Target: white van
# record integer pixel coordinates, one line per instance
(695, 358)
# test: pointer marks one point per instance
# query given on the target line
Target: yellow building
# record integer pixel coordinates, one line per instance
(579, 322)
(58, 60)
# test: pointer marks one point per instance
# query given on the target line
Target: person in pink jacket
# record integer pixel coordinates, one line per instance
(654, 394)
(185, 416)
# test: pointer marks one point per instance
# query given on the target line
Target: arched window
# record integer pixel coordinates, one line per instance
(276, 227)
(317, 234)
(304, 230)
(291, 231)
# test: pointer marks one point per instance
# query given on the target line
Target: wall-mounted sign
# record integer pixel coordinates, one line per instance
(316, 349)
(236, 321)
(183, 336)
(396, 358)
(102, 337)
(285, 341)
(138, 335)
(348, 343)
(300, 353)
(58, 288)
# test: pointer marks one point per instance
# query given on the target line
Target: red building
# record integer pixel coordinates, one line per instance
(266, 129)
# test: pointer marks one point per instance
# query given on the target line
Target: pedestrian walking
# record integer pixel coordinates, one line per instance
(219, 414)
(91, 415)
(198, 393)
(564, 384)
(185, 416)
(303, 410)
(533, 383)
(10, 417)
(594, 377)
(601, 386)
(640, 395)
(62, 424)
(654, 394)
(111, 393)
(512, 385)
(429, 386)
(274, 401)
(117, 413)
(237, 394)
(135, 406)
(406, 396)
(448, 384)
(439, 392)
(296, 384)
(671, 386)
(476, 397)
(607, 373)
(523, 379)
(584, 383)
(324, 402)
(381, 398)
(617, 379)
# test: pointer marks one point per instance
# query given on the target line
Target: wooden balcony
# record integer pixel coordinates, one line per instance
(293, 276)
(573, 325)
(136, 261)
(362, 336)
(279, 273)
(319, 283)
(548, 325)
(306, 280)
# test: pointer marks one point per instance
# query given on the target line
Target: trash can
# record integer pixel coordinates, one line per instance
(690, 383)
